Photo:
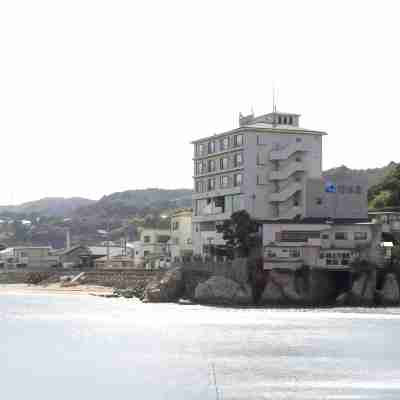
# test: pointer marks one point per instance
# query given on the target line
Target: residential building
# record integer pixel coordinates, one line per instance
(71, 257)
(180, 244)
(329, 246)
(390, 221)
(152, 248)
(31, 257)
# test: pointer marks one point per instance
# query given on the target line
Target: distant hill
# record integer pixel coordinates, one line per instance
(374, 175)
(49, 206)
(131, 202)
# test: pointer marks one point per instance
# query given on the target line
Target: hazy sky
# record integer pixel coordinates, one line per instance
(104, 96)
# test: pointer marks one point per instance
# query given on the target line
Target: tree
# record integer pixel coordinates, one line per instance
(240, 233)
(387, 192)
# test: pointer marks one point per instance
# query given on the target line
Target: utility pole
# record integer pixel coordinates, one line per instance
(108, 244)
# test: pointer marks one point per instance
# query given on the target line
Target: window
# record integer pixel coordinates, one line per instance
(341, 236)
(236, 206)
(238, 159)
(224, 143)
(360, 236)
(296, 236)
(200, 167)
(211, 147)
(175, 225)
(298, 139)
(201, 149)
(325, 236)
(146, 239)
(294, 253)
(224, 181)
(279, 120)
(208, 226)
(290, 120)
(260, 158)
(199, 186)
(223, 163)
(237, 179)
(298, 159)
(261, 180)
(211, 165)
(284, 120)
(336, 258)
(238, 140)
(162, 238)
(210, 184)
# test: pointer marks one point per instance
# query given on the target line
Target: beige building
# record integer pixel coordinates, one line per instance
(180, 244)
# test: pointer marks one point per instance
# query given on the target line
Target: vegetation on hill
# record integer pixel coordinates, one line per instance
(386, 193)
(48, 206)
(46, 221)
(374, 175)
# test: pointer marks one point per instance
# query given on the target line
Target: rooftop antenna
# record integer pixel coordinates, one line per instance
(273, 106)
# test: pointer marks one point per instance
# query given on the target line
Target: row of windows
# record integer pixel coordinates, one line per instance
(223, 181)
(223, 163)
(345, 236)
(303, 236)
(214, 146)
(263, 140)
(217, 205)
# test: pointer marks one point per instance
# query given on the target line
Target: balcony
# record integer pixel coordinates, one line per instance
(283, 174)
(286, 152)
(286, 193)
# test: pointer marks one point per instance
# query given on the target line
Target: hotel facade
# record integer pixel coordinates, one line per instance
(271, 167)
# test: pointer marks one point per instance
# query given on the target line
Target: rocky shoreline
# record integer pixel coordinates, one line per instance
(236, 286)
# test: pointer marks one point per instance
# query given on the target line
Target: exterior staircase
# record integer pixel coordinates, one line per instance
(287, 192)
(288, 171)
(286, 152)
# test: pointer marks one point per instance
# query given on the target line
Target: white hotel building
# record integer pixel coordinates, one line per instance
(262, 167)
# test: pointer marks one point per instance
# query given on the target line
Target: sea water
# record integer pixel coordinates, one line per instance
(83, 347)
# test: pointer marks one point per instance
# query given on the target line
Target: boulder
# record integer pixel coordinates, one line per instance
(165, 288)
(220, 290)
(280, 288)
(390, 293)
(363, 289)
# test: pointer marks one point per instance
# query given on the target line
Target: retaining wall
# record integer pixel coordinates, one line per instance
(120, 278)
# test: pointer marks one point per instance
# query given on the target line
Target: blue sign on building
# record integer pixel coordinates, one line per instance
(330, 187)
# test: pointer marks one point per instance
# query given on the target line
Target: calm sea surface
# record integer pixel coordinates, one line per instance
(83, 347)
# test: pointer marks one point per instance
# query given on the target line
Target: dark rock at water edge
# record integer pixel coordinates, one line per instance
(223, 291)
